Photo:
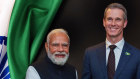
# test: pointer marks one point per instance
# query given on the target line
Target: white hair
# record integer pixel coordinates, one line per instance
(57, 31)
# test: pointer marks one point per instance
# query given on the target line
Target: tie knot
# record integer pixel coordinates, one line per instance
(112, 47)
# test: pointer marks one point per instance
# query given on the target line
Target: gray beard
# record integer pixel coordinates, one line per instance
(56, 60)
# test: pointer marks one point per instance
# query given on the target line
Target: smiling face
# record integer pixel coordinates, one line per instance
(58, 48)
(59, 42)
(114, 23)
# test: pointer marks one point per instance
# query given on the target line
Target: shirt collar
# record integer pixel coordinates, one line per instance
(119, 44)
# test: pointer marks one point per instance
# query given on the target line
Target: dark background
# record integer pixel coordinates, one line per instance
(83, 21)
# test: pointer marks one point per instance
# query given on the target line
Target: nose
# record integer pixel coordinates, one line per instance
(60, 49)
(113, 23)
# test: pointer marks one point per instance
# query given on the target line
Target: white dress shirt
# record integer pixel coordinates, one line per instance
(117, 51)
(33, 74)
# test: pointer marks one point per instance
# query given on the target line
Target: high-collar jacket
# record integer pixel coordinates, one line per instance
(49, 70)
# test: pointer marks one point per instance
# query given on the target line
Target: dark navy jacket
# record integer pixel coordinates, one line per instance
(95, 63)
(48, 70)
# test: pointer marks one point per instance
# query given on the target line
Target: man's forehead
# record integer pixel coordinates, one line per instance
(56, 42)
(114, 9)
(59, 34)
(109, 9)
(59, 37)
(115, 12)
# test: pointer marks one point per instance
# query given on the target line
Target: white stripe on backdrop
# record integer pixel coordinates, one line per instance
(6, 7)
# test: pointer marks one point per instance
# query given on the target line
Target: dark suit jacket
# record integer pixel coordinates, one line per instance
(95, 63)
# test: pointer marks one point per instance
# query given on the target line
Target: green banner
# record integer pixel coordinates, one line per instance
(29, 23)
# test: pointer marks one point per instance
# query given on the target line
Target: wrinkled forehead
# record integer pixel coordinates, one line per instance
(62, 43)
(115, 11)
(59, 38)
(110, 9)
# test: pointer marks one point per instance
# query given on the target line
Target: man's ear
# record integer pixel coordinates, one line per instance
(125, 23)
(103, 22)
(46, 46)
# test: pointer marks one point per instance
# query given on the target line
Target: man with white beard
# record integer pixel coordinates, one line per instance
(54, 65)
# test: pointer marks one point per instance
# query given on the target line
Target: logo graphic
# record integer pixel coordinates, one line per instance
(127, 53)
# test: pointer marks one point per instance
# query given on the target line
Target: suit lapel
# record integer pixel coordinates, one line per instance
(125, 56)
(102, 59)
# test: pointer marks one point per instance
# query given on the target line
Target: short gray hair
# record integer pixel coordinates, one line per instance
(57, 31)
(118, 6)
